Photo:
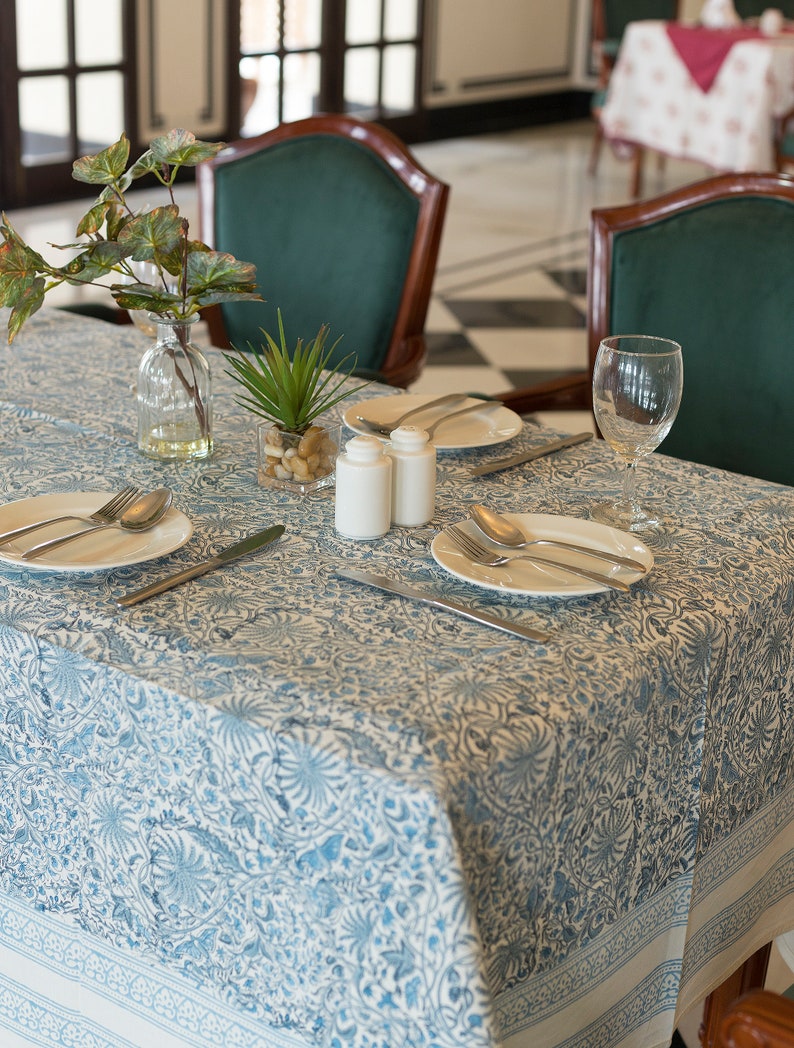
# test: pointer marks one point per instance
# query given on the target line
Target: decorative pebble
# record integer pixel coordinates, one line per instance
(303, 458)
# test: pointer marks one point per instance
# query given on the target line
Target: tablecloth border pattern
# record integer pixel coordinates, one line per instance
(155, 999)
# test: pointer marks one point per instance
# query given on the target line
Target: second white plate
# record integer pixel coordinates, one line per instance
(493, 425)
(110, 548)
(524, 576)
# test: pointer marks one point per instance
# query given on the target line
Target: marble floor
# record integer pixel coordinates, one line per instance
(509, 301)
(509, 298)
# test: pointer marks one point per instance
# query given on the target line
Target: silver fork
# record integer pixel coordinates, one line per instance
(106, 514)
(480, 554)
(384, 429)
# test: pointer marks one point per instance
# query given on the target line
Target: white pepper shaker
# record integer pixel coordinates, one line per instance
(363, 489)
(413, 493)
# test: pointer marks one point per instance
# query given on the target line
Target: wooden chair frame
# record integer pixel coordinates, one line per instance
(759, 1019)
(574, 392)
(407, 351)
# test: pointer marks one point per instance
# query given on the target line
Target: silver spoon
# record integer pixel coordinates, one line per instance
(143, 514)
(505, 533)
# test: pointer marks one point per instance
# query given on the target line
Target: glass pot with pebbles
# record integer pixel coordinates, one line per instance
(301, 462)
(296, 446)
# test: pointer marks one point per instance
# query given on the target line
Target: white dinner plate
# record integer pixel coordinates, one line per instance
(110, 548)
(494, 424)
(534, 579)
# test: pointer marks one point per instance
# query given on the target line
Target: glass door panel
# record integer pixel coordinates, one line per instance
(399, 77)
(299, 57)
(362, 76)
(98, 35)
(99, 124)
(401, 19)
(259, 26)
(44, 120)
(37, 50)
(362, 21)
(66, 84)
(280, 64)
(382, 45)
(303, 24)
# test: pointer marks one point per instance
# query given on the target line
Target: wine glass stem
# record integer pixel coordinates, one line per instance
(630, 482)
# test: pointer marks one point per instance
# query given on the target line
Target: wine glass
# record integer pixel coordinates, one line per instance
(637, 384)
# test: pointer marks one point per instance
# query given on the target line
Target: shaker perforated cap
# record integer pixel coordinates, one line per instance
(409, 437)
(364, 449)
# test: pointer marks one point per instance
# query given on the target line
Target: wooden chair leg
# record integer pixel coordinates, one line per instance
(637, 159)
(595, 150)
(749, 976)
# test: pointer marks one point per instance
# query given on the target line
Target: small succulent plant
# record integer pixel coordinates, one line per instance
(291, 389)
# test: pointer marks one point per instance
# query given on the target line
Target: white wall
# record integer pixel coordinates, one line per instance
(500, 48)
(182, 82)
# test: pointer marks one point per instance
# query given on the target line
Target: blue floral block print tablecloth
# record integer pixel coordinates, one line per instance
(272, 807)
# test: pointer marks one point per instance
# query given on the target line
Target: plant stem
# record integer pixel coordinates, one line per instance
(181, 332)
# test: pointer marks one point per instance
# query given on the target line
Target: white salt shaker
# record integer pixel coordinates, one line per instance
(413, 492)
(363, 489)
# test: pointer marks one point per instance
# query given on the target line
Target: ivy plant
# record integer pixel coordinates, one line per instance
(190, 275)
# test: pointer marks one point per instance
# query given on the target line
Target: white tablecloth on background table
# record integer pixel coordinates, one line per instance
(653, 100)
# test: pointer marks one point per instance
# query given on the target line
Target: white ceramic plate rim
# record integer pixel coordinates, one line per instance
(494, 425)
(100, 551)
(533, 580)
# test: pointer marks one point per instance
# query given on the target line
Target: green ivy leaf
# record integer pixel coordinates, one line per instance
(93, 220)
(19, 268)
(117, 219)
(145, 296)
(181, 148)
(104, 168)
(153, 234)
(144, 165)
(98, 259)
(27, 304)
(215, 270)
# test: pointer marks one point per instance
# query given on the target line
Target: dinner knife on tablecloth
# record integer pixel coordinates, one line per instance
(384, 582)
(239, 549)
(528, 456)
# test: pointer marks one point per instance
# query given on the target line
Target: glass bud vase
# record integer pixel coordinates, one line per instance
(174, 395)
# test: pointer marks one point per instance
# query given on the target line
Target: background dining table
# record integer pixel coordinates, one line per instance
(274, 807)
(705, 95)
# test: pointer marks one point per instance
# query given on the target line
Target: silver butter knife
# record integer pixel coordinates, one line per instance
(528, 456)
(239, 549)
(383, 582)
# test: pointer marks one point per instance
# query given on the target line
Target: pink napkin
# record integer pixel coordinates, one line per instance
(704, 50)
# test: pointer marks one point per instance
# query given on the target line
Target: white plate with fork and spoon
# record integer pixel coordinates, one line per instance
(533, 578)
(485, 421)
(109, 548)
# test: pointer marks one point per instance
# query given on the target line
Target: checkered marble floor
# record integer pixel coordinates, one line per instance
(508, 307)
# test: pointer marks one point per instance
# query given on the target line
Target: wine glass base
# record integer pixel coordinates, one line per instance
(626, 516)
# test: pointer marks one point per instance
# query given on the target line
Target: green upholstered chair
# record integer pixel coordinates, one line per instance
(344, 227)
(710, 265)
(755, 8)
(609, 21)
(615, 15)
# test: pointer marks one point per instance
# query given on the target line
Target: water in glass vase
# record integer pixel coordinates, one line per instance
(174, 395)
